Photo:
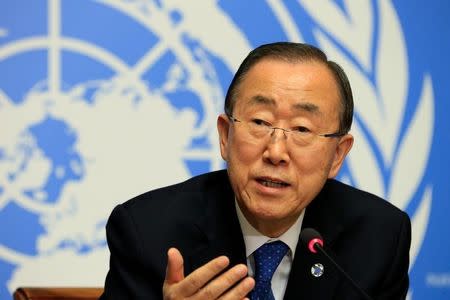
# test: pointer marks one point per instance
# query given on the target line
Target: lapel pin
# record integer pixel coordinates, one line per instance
(317, 270)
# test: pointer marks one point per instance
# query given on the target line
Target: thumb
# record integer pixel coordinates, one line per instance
(175, 267)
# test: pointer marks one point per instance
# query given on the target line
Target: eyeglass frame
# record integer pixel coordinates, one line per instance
(273, 128)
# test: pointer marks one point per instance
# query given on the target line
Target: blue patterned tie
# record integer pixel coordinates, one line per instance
(267, 258)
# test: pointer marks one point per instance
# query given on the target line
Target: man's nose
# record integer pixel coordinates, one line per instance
(276, 151)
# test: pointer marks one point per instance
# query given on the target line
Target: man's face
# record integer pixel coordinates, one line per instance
(273, 177)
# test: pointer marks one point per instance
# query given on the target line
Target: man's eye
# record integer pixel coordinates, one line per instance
(260, 122)
(302, 129)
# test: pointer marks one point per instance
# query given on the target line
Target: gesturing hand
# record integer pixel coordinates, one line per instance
(205, 282)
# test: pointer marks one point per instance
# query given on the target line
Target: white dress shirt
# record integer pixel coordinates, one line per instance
(254, 239)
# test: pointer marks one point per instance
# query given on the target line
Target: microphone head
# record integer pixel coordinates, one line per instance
(310, 237)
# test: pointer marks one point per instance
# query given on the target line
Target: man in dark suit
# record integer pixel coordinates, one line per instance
(235, 234)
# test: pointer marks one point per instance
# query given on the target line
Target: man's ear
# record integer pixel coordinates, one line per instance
(342, 149)
(223, 126)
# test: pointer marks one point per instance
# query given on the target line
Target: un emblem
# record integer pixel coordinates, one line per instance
(89, 126)
(95, 112)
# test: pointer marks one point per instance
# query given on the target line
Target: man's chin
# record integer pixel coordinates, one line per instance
(271, 214)
(273, 224)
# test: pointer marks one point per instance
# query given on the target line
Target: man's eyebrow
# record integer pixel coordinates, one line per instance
(262, 100)
(308, 107)
(300, 106)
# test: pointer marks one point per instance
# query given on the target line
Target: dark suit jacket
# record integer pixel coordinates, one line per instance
(369, 237)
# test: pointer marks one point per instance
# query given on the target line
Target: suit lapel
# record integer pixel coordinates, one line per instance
(220, 226)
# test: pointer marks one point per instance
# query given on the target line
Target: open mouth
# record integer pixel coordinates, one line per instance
(273, 183)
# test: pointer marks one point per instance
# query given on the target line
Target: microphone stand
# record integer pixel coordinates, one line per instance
(317, 247)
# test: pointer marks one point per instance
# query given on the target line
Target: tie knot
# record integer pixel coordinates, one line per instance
(267, 258)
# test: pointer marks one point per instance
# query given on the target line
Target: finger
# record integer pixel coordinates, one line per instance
(222, 283)
(241, 290)
(201, 276)
(175, 266)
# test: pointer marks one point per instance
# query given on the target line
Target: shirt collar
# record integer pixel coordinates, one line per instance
(254, 239)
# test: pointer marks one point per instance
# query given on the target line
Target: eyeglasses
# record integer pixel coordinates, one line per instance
(300, 135)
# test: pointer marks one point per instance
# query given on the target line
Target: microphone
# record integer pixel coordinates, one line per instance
(314, 242)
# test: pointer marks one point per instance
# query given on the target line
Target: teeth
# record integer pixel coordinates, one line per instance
(274, 184)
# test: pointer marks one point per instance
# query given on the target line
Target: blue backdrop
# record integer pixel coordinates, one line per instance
(103, 100)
